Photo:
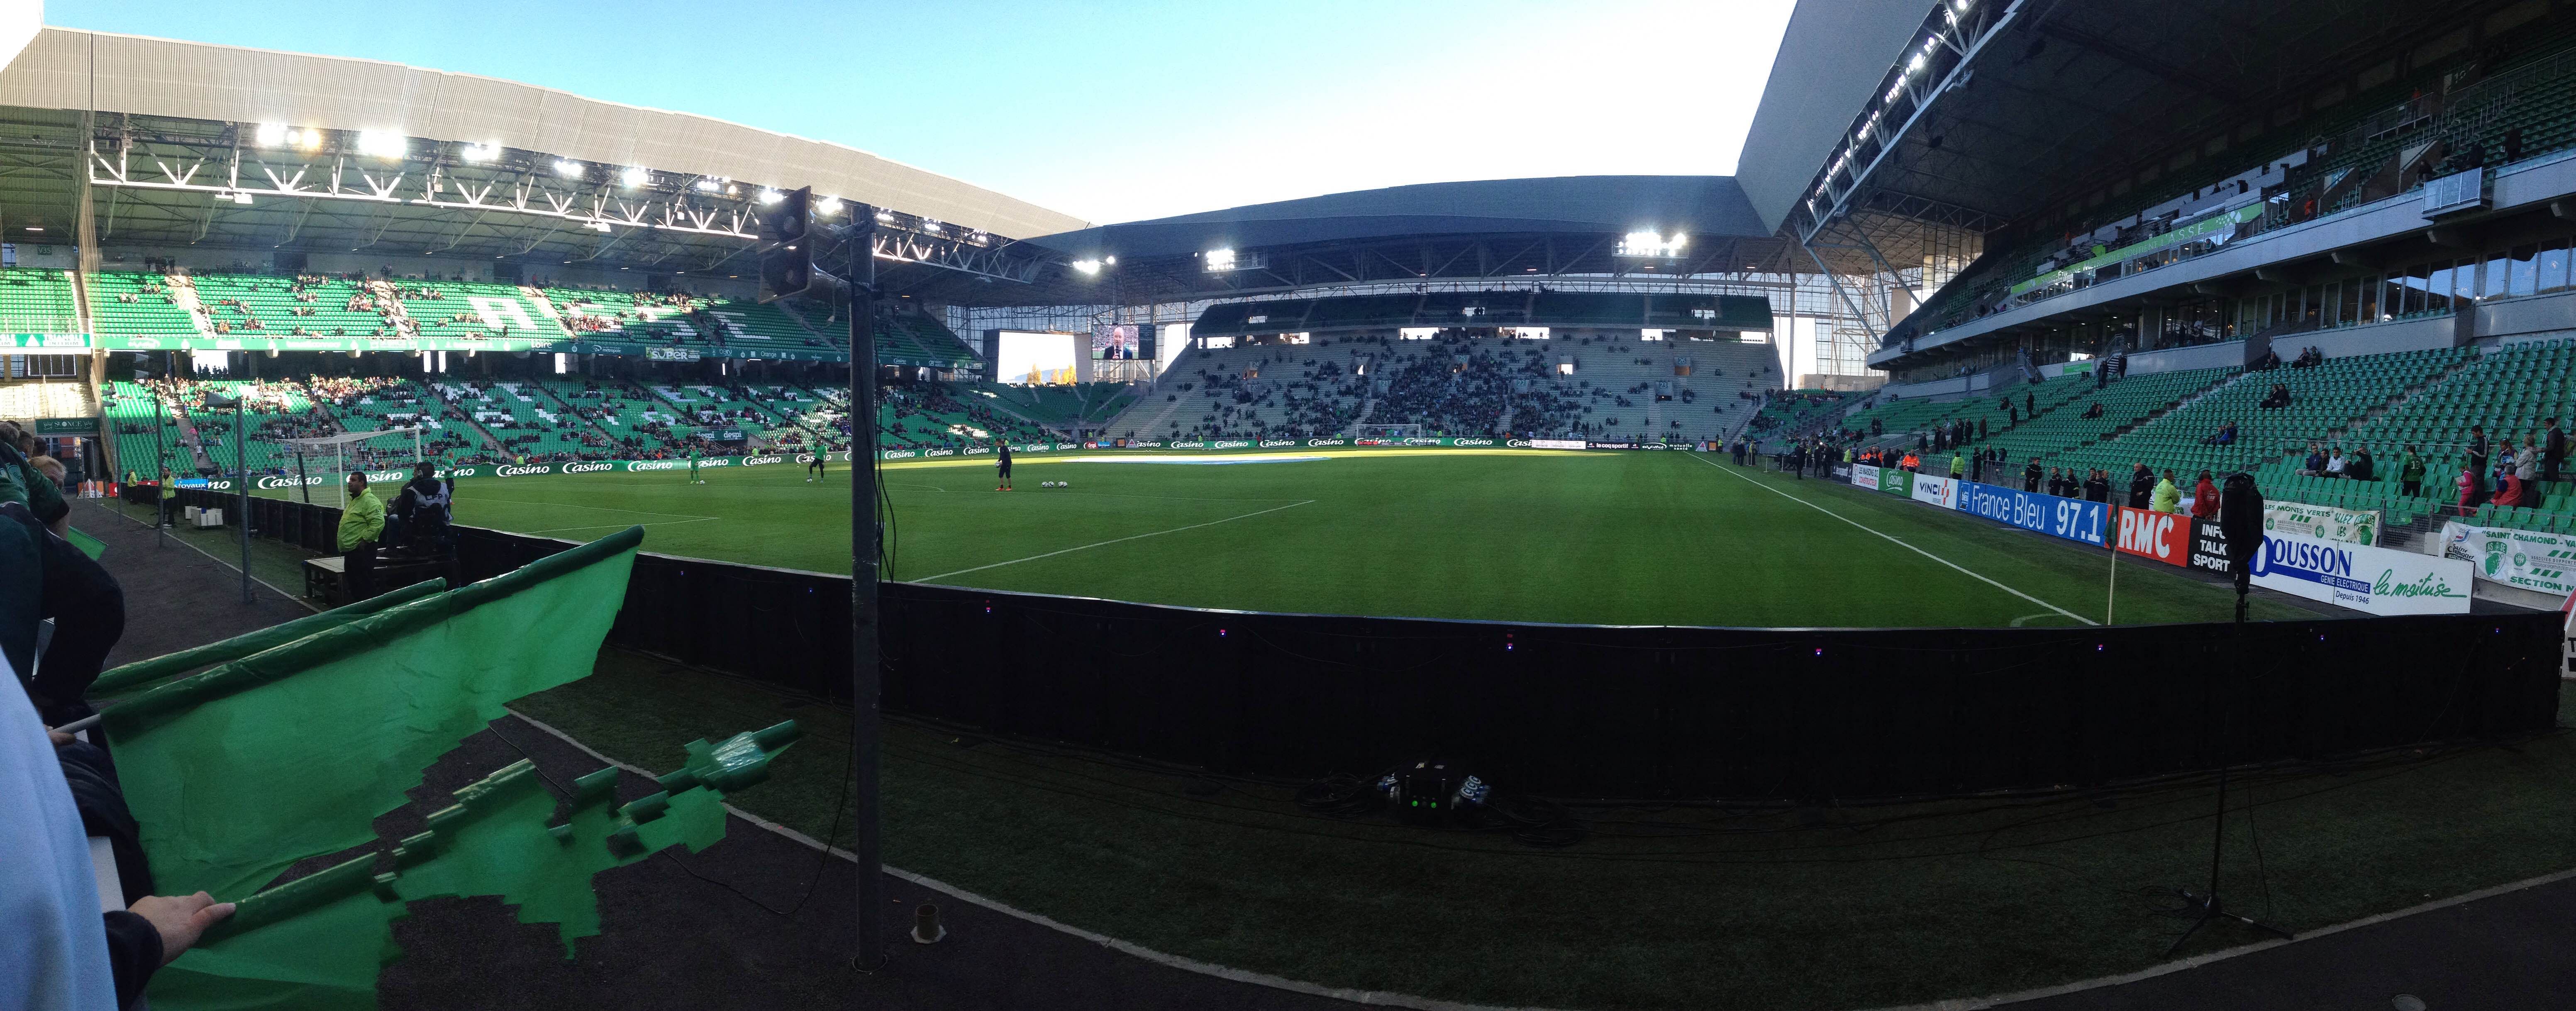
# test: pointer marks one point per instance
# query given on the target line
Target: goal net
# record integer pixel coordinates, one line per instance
(321, 466)
(1386, 431)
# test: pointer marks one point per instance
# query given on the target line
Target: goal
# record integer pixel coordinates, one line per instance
(321, 466)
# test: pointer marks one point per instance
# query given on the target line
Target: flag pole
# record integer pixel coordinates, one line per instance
(865, 675)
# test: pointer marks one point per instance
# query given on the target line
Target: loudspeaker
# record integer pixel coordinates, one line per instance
(2240, 518)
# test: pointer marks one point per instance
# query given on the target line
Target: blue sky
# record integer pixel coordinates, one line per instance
(1109, 112)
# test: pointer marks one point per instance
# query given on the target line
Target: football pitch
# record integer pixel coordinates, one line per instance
(1503, 535)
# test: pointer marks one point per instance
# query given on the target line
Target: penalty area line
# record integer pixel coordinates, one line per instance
(1106, 543)
(1891, 539)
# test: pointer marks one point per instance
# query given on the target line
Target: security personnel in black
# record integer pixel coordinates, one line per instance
(423, 509)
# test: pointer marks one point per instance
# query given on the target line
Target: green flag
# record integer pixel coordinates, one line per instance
(237, 773)
(316, 943)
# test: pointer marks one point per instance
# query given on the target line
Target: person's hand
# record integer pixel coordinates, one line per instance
(59, 738)
(181, 919)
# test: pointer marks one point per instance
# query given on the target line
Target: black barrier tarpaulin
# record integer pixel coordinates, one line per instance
(1604, 711)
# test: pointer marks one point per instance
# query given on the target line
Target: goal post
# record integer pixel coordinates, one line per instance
(321, 466)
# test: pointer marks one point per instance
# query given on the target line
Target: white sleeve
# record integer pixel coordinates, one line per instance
(54, 952)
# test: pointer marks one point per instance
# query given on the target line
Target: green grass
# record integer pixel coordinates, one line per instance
(1747, 907)
(1738, 907)
(1607, 538)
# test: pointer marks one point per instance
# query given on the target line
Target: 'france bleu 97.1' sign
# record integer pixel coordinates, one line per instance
(2073, 519)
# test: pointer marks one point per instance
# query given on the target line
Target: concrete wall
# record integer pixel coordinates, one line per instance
(2376, 339)
(2230, 354)
(2506, 317)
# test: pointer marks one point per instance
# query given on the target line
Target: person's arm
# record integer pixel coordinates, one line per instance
(152, 934)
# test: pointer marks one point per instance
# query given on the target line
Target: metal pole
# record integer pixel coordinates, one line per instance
(241, 483)
(865, 676)
(161, 481)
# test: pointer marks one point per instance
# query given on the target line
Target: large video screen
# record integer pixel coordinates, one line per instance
(1118, 342)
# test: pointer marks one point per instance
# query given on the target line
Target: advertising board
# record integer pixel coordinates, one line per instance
(2073, 519)
(2377, 580)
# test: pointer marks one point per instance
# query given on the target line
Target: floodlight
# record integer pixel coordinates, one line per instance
(271, 134)
(1112, 261)
(1914, 65)
(885, 216)
(35, 228)
(309, 139)
(567, 168)
(634, 175)
(828, 205)
(382, 143)
(481, 152)
(770, 196)
(1219, 259)
(1086, 267)
(706, 185)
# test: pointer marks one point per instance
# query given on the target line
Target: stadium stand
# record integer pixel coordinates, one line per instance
(2378, 144)
(473, 309)
(37, 301)
(1063, 408)
(1452, 384)
(300, 306)
(523, 426)
(127, 303)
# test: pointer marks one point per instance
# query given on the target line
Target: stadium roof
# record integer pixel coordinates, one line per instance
(1485, 230)
(97, 71)
(1701, 206)
(2068, 100)
(1831, 60)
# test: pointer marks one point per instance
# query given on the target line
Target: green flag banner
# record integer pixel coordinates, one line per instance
(317, 943)
(237, 773)
(142, 673)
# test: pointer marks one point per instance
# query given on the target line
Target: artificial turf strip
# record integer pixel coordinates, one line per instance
(1598, 538)
(1857, 906)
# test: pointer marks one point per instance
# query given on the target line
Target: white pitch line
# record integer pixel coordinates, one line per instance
(619, 526)
(604, 509)
(1892, 540)
(1131, 537)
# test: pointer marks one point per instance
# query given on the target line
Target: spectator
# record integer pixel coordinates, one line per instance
(2030, 476)
(2410, 473)
(2478, 458)
(362, 521)
(2335, 465)
(2094, 411)
(2553, 452)
(2097, 485)
(2204, 499)
(2315, 464)
(2509, 489)
(2226, 435)
(2142, 484)
(2167, 497)
(2467, 483)
(2360, 467)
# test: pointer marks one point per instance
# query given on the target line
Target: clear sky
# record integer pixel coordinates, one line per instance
(1106, 111)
